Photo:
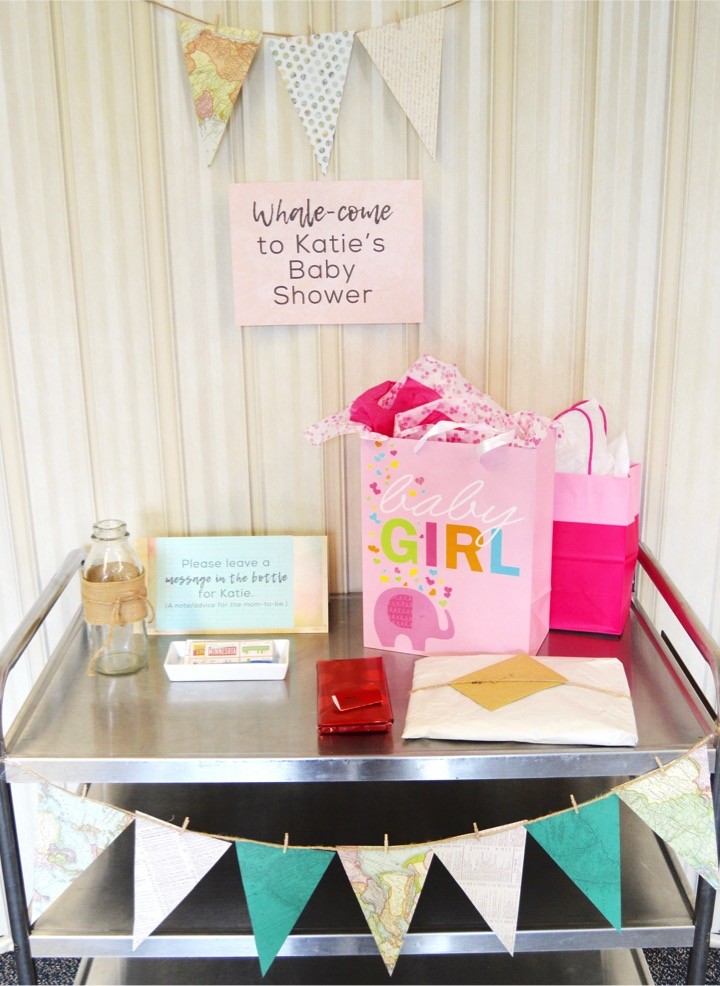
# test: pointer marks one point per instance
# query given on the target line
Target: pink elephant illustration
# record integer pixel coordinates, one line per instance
(409, 612)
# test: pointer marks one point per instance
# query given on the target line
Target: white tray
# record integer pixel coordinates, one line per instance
(177, 669)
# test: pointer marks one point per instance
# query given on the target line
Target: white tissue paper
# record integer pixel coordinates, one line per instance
(582, 445)
(564, 714)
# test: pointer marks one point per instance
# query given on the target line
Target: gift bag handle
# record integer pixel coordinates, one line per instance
(578, 407)
(442, 427)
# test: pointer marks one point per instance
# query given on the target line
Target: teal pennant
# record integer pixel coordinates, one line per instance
(586, 845)
(278, 884)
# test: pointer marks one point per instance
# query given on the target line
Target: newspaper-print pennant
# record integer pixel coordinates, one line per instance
(488, 866)
(217, 62)
(278, 883)
(169, 863)
(70, 833)
(585, 843)
(387, 883)
(408, 55)
(314, 71)
(676, 802)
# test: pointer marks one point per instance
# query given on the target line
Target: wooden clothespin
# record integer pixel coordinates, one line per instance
(308, 34)
(476, 830)
(183, 827)
(660, 764)
(398, 22)
(84, 792)
(574, 804)
(386, 842)
(285, 843)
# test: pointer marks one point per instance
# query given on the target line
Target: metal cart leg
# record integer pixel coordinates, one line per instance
(705, 898)
(14, 887)
(9, 850)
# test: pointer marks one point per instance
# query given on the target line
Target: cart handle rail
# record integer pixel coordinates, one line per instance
(682, 609)
(31, 623)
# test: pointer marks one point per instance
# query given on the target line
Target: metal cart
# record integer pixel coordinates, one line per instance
(247, 761)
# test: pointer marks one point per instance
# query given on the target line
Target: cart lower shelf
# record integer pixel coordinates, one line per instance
(614, 967)
(94, 917)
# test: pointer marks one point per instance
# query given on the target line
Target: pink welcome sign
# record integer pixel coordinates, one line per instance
(307, 253)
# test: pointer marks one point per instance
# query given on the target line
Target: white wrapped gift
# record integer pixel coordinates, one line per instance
(594, 707)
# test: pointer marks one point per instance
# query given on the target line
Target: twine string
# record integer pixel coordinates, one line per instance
(520, 681)
(272, 34)
(114, 604)
(9, 761)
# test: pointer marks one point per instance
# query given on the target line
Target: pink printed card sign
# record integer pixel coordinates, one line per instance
(338, 252)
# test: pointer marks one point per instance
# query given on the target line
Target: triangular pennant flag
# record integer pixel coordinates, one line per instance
(408, 55)
(314, 72)
(278, 883)
(71, 833)
(585, 843)
(387, 883)
(169, 863)
(676, 803)
(488, 866)
(217, 62)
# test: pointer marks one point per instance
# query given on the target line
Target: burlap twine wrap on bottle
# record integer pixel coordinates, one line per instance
(114, 604)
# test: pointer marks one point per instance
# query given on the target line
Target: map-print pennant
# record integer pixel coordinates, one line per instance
(70, 833)
(488, 866)
(278, 883)
(314, 71)
(408, 55)
(676, 803)
(387, 883)
(169, 863)
(217, 62)
(585, 843)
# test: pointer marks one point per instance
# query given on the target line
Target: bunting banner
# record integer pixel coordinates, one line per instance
(408, 55)
(387, 883)
(676, 802)
(217, 62)
(278, 883)
(585, 843)
(314, 69)
(70, 833)
(169, 863)
(488, 867)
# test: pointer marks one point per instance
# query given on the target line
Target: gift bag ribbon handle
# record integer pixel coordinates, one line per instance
(578, 407)
(442, 427)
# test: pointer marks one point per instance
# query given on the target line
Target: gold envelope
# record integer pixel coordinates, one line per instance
(507, 681)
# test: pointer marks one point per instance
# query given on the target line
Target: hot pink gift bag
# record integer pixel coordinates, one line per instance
(456, 545)
(595, 548)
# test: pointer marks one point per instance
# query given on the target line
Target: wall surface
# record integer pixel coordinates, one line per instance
(572, 248)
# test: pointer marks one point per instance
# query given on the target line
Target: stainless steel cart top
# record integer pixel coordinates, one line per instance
(147, 728)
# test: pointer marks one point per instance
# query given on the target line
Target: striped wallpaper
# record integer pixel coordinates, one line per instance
(572, 248)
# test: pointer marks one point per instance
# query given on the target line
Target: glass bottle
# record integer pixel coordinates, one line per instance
(115, 649)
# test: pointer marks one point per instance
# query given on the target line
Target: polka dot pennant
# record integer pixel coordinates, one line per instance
(314, 74)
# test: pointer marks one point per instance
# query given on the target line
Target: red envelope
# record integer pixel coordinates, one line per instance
(353, 696)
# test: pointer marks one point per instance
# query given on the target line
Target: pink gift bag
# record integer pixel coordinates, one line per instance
(595, 548)
(456, 545)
